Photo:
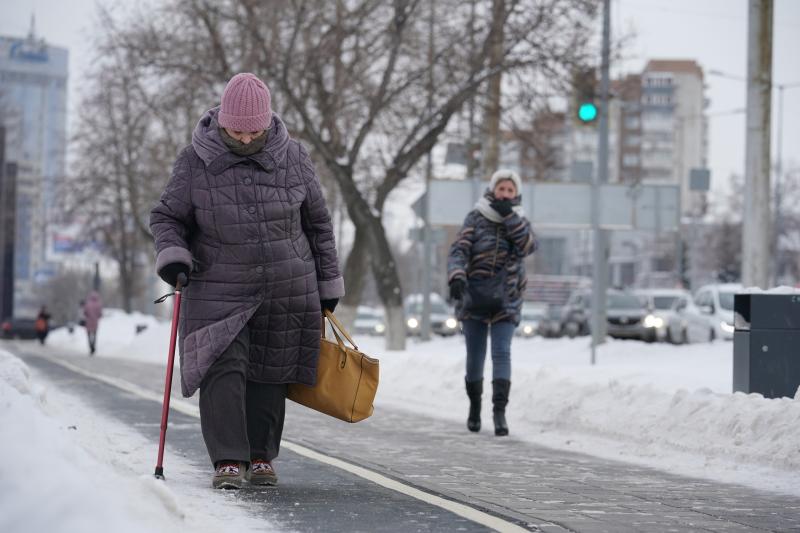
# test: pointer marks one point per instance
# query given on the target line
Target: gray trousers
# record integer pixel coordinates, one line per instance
(240, 419)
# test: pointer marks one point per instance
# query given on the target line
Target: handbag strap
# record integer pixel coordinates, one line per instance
(336, 325)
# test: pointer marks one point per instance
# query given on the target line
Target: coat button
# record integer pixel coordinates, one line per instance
(248, 181)
(260, 269)
(252, 209)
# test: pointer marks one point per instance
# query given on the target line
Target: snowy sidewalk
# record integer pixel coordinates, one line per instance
(534, 486)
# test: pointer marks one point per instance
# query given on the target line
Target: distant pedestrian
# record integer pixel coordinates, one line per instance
(486, 272)
(244, 221)
(92, 311)
(42, 324)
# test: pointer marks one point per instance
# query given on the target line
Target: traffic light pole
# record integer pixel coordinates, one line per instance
(599, 271)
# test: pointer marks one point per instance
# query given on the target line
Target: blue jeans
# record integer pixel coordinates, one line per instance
(475, 333)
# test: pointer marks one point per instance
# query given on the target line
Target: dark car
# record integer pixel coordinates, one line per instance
(19, 328)
(627, 317)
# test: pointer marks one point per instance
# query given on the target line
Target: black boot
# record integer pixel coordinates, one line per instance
(500, 389)
(474, 392)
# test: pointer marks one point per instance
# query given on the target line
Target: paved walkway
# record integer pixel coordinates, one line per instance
(535, 487)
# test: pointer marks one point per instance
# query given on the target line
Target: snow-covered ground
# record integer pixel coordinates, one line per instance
(66, 469)
(665, 406)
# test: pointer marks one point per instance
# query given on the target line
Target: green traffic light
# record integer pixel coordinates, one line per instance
(587, 112)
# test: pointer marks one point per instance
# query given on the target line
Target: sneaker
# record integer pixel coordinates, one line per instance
(229, 475)
(262, 473)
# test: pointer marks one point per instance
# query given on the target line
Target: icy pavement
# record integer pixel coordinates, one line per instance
(538, 487)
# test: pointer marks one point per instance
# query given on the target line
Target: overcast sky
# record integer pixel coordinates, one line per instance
(713, 32)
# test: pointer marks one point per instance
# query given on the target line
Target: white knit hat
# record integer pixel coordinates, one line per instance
(506, 174)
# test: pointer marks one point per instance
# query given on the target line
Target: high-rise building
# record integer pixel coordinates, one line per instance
(674, 125)
(33, 96)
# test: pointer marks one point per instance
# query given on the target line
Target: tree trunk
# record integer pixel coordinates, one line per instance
(388, 283)
(384, 270)
(492, 151)
(356, 270)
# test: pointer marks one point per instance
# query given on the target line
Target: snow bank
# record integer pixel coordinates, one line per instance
(50, 484)
(79, 472)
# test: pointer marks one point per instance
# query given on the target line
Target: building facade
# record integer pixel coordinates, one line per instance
(658, 133)
(33, 96)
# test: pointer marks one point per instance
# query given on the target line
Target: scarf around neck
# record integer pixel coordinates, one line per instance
(239, 148)
(485, 209)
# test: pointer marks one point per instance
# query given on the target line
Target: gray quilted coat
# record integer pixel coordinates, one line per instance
(258, 237)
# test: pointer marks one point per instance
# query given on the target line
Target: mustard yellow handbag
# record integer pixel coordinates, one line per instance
(347, 379)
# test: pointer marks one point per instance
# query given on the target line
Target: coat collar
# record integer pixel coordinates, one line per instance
(209, 146)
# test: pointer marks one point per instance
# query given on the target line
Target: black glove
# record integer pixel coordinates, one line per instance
(169, 273)
(329, 305)
(503, 207)
(457, 287)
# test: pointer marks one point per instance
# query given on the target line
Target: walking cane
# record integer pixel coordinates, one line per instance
(176, 310)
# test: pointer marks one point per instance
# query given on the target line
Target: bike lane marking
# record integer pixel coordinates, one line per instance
(189, 409)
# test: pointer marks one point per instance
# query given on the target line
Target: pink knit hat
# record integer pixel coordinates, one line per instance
(245, 104)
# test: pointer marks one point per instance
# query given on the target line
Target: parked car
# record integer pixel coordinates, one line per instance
(443, 320)
(687, 324)
(531, 316)
(575, 314)
(19, 328)
(711, 312)
(369, 321)
(627, 317)
(659, 302)
(550, 323)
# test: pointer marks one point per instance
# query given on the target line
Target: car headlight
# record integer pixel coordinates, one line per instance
(527, 330)
(727, 328)
(652, 321)
(451, 323)
(380, 328)
(413, 323)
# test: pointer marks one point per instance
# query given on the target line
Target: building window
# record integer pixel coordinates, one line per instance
(632, 122)
(630, 160)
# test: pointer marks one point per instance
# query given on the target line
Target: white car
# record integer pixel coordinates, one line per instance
(443, 321)
(706, 316)
(369, 321)
(660, 304)
(716, 303)
(530, 317)
(686, 324)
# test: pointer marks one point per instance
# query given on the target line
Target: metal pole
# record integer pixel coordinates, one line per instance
(599, 277)
(425, 326)
(755, 227)
(776, 230)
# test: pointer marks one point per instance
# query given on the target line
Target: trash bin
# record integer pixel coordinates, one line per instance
(766, 344)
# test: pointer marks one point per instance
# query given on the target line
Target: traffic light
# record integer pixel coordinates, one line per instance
(583, 94)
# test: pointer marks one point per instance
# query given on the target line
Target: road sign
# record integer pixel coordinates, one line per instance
(699, 179)
(568, 205)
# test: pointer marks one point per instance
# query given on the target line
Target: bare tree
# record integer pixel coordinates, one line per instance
(348, 76)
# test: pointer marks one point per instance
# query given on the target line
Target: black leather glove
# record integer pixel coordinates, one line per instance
(457, 287)
(329, 305)
(169, 273)
(503, 207)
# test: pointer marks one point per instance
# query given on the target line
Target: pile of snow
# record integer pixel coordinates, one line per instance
(641, 402)
(65, 469)
(50, 483)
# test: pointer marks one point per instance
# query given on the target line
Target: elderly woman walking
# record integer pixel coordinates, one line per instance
(243, 220)
(486, 272)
